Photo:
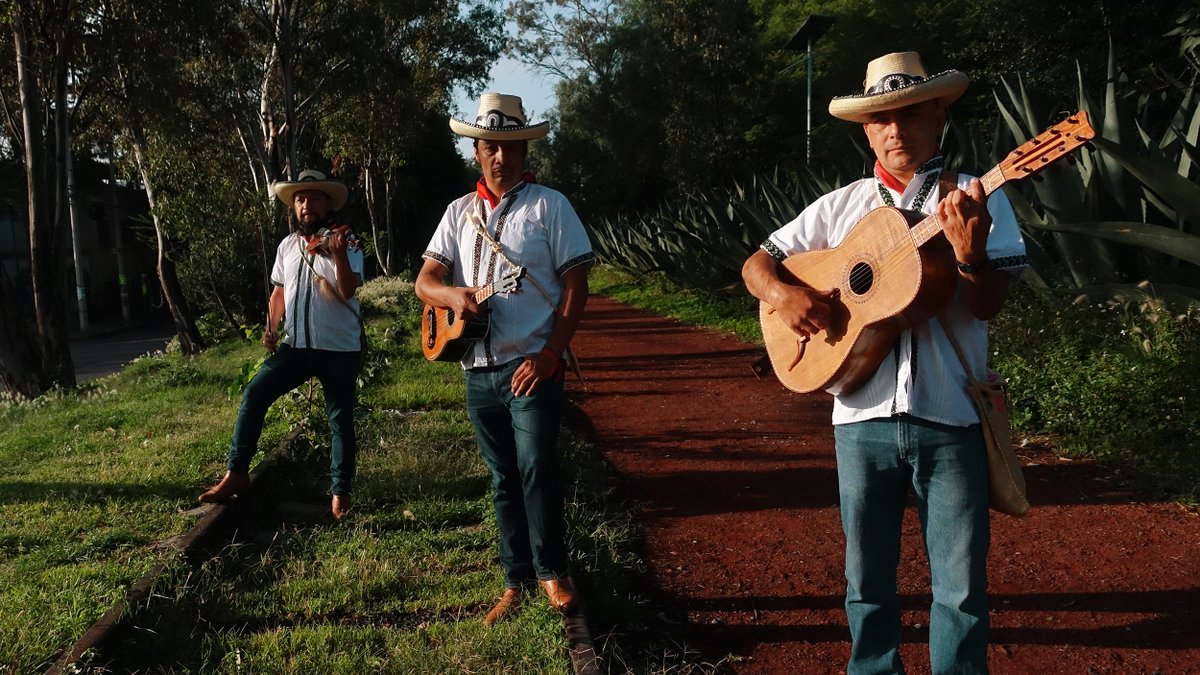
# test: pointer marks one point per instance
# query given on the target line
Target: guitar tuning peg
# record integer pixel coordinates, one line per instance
(1071, 160)
(1038, 179)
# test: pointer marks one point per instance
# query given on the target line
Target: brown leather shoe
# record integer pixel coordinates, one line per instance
(340, 506)
(508, 602)
(561, 592)
(234, 483)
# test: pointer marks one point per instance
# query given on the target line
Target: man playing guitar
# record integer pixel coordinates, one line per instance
(911, 423)
(509, 225)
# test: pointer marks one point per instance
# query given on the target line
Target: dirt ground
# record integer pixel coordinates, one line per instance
(738, 482)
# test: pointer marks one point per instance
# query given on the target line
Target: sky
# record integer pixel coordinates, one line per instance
(509, 76)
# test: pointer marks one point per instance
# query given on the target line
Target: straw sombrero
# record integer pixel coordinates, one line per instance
(501, 117)
(312, 180)
(895, 81)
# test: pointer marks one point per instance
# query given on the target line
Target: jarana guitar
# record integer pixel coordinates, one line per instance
(446, 337)
(894, 270)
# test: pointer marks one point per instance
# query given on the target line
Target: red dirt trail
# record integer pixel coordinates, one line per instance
(739, 492)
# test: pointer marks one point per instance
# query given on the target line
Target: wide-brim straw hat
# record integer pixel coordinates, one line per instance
(312, 180)
(501, 117)
(895, 81)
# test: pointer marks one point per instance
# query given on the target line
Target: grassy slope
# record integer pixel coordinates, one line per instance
(97, 478)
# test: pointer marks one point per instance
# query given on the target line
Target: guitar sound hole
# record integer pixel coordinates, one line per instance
(862, 278)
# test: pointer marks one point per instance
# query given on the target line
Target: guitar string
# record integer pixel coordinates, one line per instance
(1047, 150)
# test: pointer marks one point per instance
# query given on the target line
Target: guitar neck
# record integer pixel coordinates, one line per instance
(932, 225)
(484, 293)
(1033, 156)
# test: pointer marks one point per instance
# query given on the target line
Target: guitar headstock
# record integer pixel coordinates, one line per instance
(509, 282)
(1050, 145)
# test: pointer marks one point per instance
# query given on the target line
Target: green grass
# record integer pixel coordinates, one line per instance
(731, 310)
(399, 587)
(93, 479)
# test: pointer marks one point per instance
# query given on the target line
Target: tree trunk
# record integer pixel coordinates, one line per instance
(372, 213)
(285, 37)
(185, 324)
(18, 348)
(54, 356)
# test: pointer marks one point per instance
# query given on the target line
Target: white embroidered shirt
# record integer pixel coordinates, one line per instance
(538, 230)
(313, 318)
(922, 377)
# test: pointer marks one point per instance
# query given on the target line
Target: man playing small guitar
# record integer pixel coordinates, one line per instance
(910, 421)
(514, 372)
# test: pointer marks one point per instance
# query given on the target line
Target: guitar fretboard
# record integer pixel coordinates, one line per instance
(929, 227)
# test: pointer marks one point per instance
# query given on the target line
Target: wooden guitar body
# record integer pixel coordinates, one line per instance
(445, 337)
(886, 283)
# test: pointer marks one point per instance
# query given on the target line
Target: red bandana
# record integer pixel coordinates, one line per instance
(890, 181)
(482, 190)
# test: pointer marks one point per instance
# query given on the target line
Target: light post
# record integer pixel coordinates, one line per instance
(806, 36)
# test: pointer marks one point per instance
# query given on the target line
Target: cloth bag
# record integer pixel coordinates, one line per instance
(1006, 482)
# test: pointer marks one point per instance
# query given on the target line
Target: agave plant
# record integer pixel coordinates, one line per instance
(1124, 215)
(703, 241)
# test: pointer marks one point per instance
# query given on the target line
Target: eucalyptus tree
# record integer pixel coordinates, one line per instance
(387, 119)
(43, 36)
(655, 97)
(144, 57)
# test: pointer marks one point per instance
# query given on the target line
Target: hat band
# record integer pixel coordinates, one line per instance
(496, 119)
(894, 82)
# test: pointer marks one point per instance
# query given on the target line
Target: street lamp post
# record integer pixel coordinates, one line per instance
(806, 36)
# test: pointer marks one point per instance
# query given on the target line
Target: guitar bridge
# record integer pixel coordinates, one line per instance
(801, 345)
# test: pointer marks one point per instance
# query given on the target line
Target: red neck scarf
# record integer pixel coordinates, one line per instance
(482, 190)
(889, 181)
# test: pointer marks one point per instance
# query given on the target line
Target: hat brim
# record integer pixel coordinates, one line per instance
(525, 133)
(336, 192)
(945, 88)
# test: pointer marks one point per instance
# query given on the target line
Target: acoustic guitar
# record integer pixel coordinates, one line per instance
(446, 337)
(894, 270)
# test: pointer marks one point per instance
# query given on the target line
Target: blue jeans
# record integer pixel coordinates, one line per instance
(518, 439)
(285, 370)
(877, 460)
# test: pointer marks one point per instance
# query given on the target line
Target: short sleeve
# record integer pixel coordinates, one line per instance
(569, 243)
(277, 271)
(443, 246)
(1005, 246)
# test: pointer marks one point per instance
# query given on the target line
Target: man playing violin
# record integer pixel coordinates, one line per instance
(318, 268)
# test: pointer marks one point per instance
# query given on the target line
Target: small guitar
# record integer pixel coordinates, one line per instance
(446, 337)
(892, 272)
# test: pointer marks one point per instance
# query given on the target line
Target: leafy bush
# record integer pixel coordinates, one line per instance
(1109, 379)
(386, 295)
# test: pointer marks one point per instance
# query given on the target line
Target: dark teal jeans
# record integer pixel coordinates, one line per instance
(285, 370)
(518, 439)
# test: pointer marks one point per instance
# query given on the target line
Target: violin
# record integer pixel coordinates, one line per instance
(319, 242)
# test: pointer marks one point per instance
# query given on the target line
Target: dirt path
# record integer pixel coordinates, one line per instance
(742, 532)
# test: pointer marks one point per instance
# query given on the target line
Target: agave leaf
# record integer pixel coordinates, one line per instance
(1021, 132)
(1164, 208)
(1154, 237)
(1190, 138)
(1182, 194)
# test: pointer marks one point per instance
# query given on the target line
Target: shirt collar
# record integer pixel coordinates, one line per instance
(892, 183)
(493, 201)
